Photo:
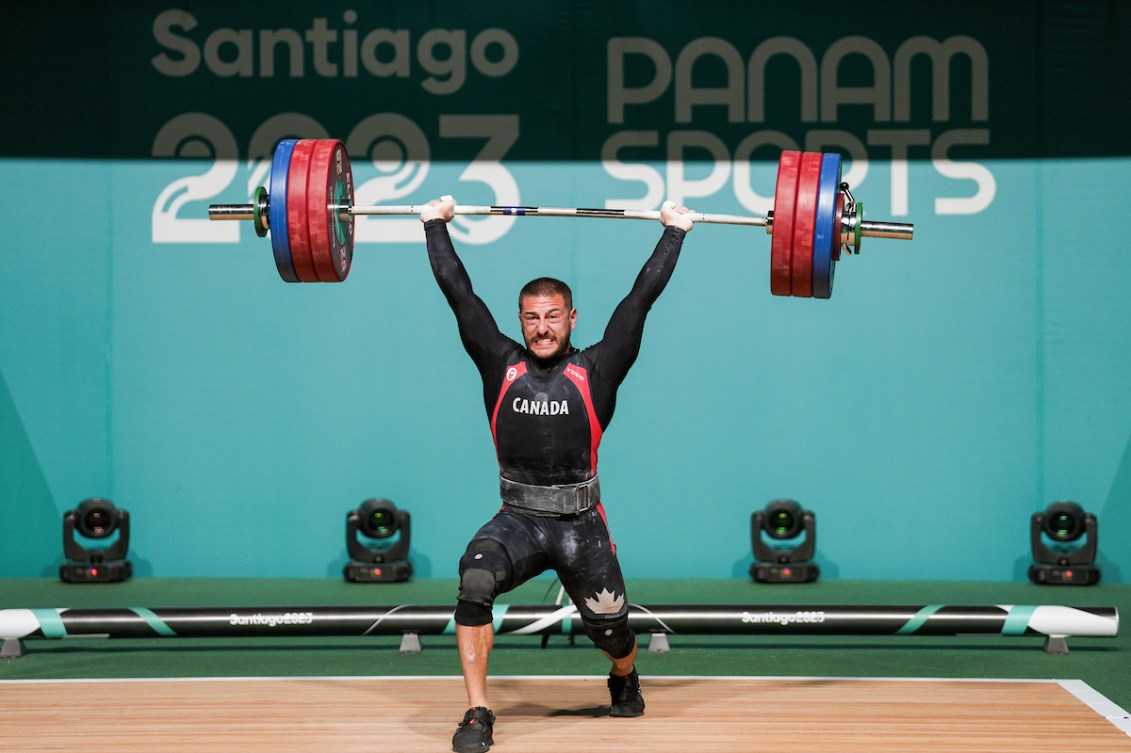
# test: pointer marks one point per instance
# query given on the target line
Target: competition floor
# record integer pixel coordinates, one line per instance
(551, 714)
(718, 693)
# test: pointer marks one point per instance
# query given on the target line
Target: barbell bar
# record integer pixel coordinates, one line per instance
(309, 212)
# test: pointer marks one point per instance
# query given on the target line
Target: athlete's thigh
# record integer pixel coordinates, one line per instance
(586, 562)
(522, 542)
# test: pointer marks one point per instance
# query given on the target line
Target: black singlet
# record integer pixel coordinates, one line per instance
(547, 417)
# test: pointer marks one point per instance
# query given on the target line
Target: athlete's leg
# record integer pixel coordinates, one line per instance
(622, 667)
(501, 556)
(475, 642)
(484, 571)
(587, 564)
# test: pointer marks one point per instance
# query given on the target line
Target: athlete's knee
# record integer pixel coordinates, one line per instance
(613, 636)
(484, 570)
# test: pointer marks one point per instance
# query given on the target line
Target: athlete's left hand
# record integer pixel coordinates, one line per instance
(678, 216)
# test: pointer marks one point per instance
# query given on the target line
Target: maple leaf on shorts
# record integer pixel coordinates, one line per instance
(605, 603)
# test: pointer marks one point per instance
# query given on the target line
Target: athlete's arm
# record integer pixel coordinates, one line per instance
(625, 330)
(477, 328)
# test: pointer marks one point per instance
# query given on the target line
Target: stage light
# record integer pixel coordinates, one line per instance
(96, 519)
(372, 562)
(783, 520)
(1054, 563)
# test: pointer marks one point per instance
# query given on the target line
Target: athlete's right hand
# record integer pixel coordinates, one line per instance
(443, 208)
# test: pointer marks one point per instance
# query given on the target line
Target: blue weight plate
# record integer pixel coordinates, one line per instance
(826, 231)
(277, 211)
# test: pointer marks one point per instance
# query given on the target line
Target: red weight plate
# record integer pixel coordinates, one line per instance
(329, 185)
(804, 223)
(298, 225)
(781, 243)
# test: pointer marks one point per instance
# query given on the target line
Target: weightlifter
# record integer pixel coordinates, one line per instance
(548, 404)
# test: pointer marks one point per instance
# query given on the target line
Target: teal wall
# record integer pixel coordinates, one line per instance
(950, 388)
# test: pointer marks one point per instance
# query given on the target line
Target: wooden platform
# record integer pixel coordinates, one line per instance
(555, 714)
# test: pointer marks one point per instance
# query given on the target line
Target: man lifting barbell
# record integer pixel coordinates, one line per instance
(548, 404)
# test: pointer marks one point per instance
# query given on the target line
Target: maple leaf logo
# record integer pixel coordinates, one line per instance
(605, 603)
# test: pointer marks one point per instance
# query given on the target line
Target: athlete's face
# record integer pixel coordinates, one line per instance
(546, 324)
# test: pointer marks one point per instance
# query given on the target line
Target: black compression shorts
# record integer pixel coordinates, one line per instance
(578, 548)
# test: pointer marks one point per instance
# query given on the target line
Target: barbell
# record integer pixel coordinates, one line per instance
(308, 209)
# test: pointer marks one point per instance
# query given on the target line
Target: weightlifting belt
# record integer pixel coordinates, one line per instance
(566, 499)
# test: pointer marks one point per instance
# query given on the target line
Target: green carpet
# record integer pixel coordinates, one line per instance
(1100, 662)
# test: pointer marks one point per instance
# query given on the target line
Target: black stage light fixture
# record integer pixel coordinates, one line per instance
(370, 562)
(96, 519)
(784, 520)
(1054, 563)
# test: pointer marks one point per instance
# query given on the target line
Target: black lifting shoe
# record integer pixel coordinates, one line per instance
(625, 692)
(474, 733)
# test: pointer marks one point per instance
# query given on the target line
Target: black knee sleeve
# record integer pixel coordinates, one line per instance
(484, 571)
(614, 637)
